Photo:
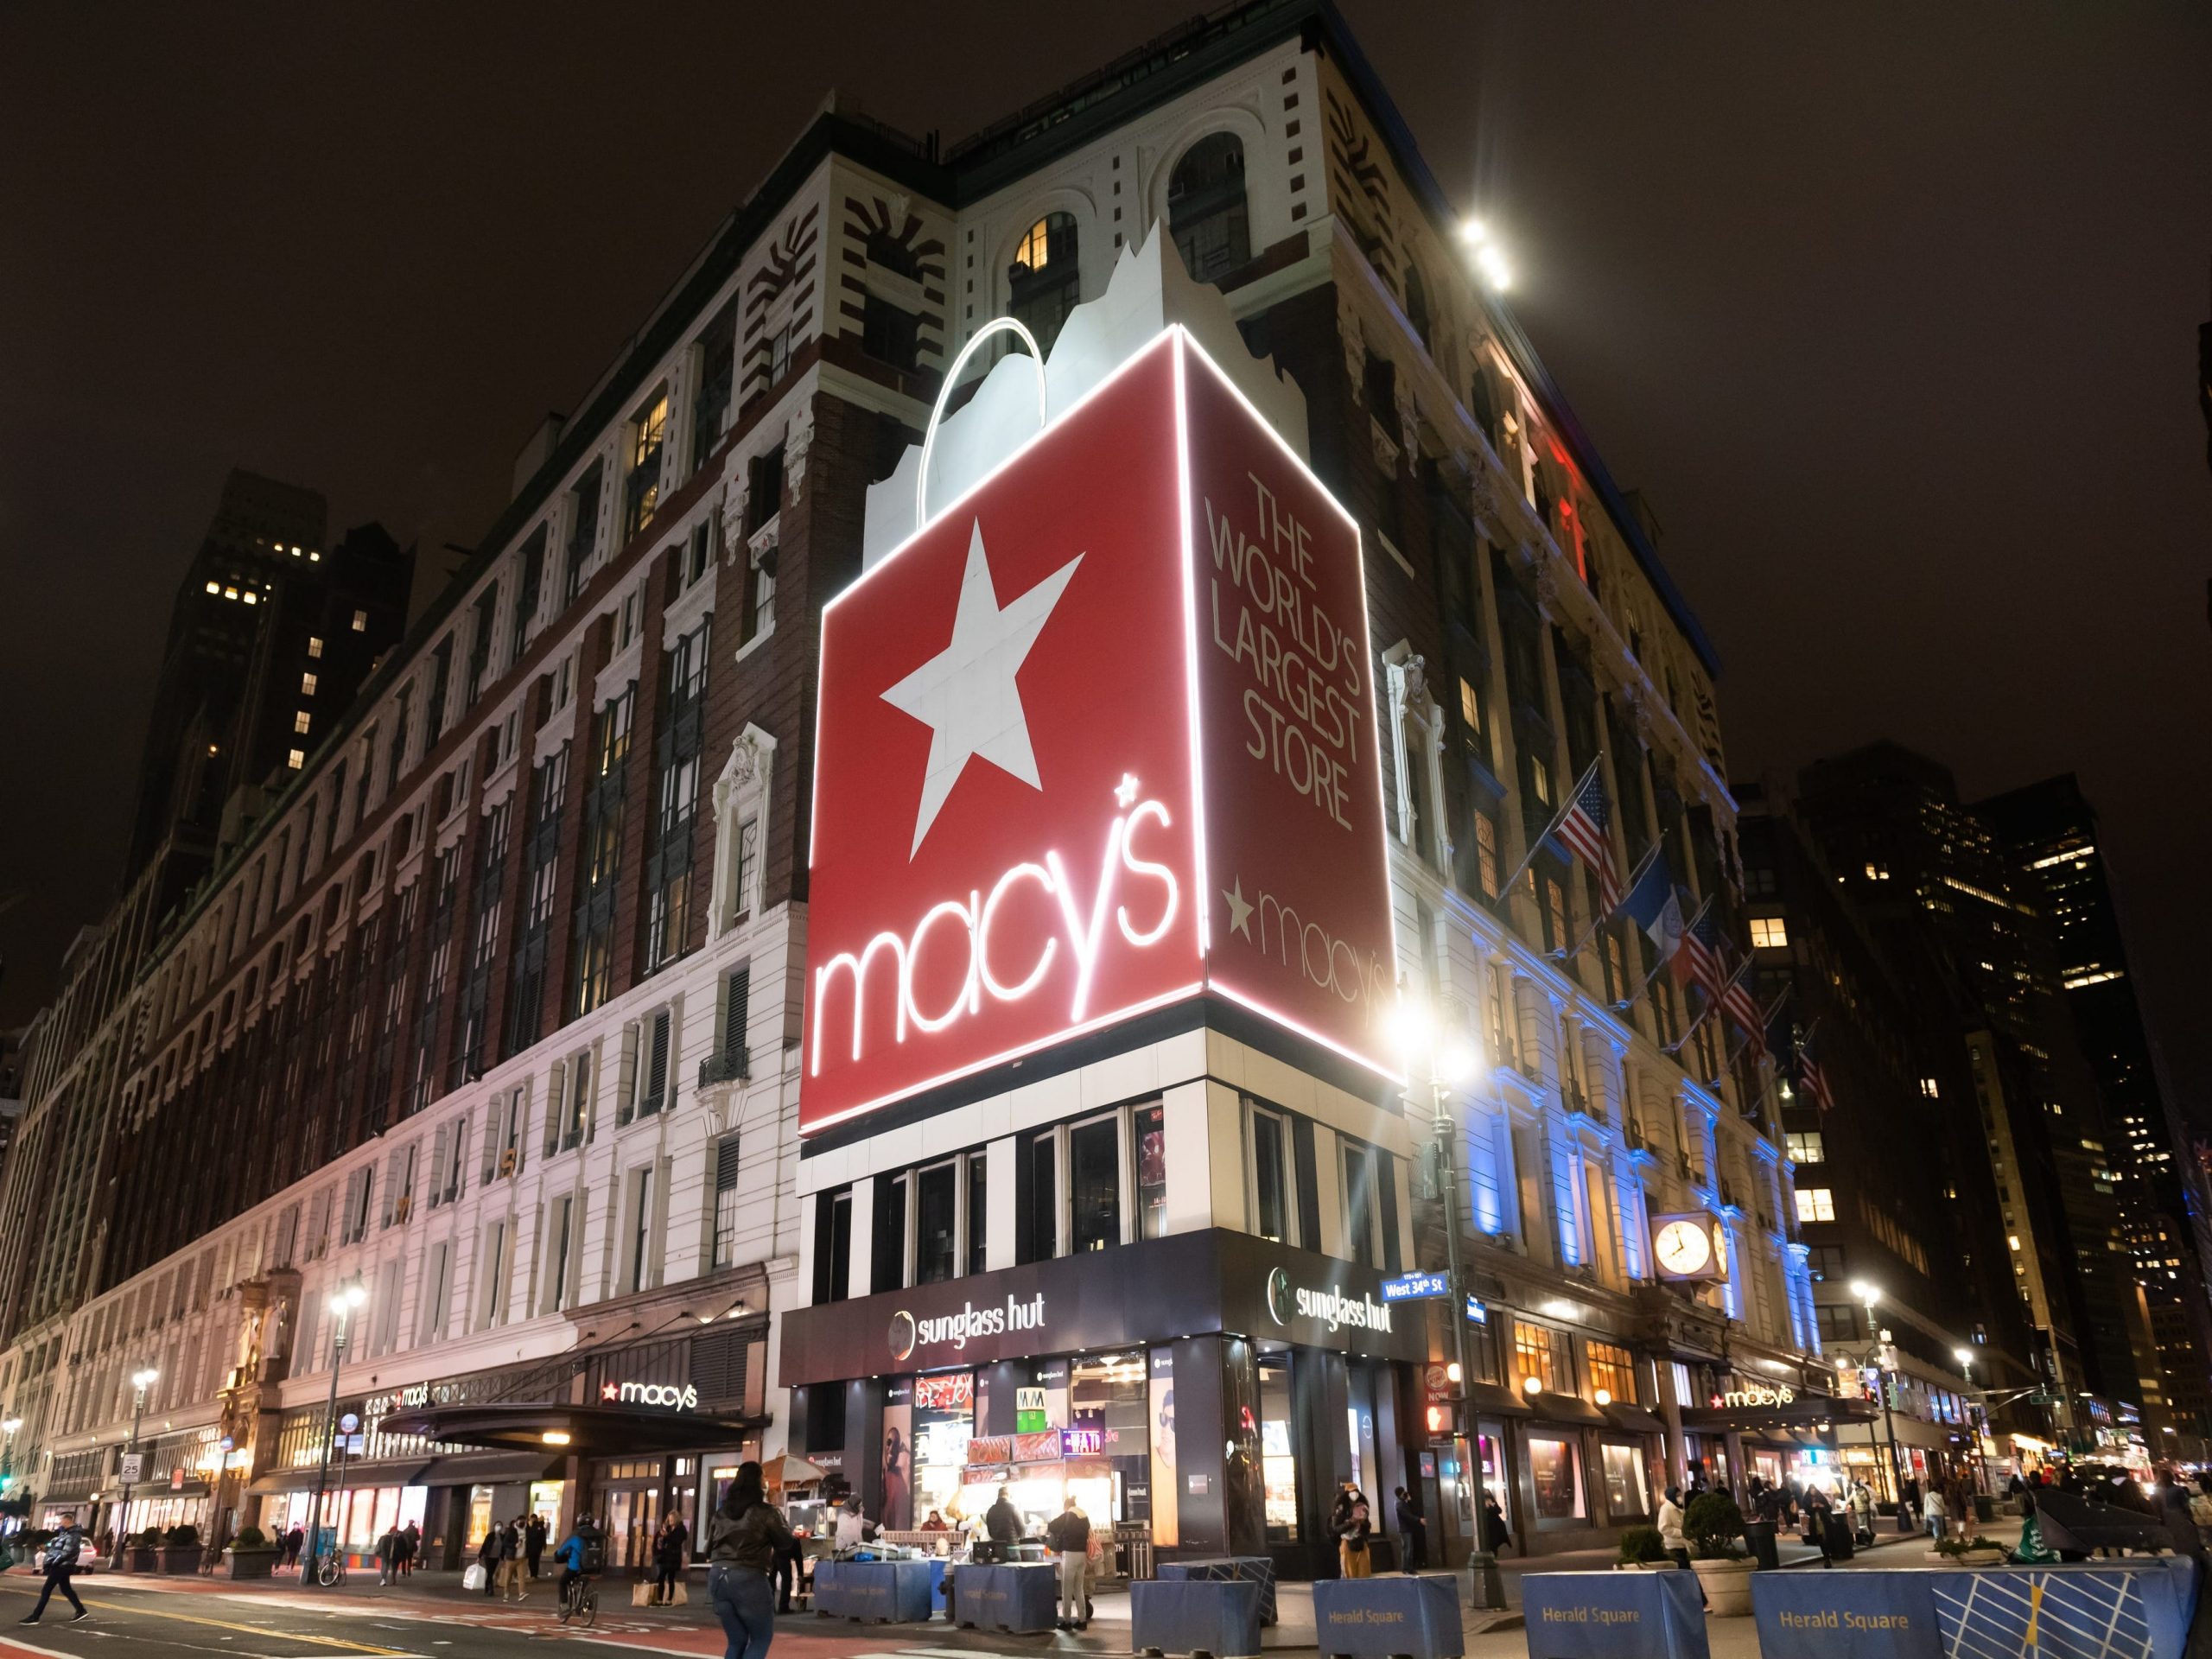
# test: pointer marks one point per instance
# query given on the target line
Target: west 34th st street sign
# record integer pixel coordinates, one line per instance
(1099, 738)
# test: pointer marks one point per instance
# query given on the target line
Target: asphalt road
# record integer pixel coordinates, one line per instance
(131, 1623)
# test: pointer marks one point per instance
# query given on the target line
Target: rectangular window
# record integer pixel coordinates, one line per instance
(314, 645)
(1627, 1492)
(575, 1125)
(1816, 1204)
(583, 530)
(1149, 1148)
(717, 371)
(1037, 1199)
(1095, 1183)
(1270, 1177)
(361, 621)
(890, 334)
(1541, 1352)
(677, 749)
(1769, 931)
(1806, 1148)
(492, 1308)
(301, 722)
(833, 1246)
(1838, 1321)
(979, 1213)
(725, 1167)
(638, 1270)
(936, 1196)
(641, 487)
(594, 976)
(560, 1244)
(437, 1283)
(530, 584)
(887, 1256)
(653, 1087)
(1613, 1370)
(307, 685)
(1362, 1205)
(1555, 1479)
(296, 759)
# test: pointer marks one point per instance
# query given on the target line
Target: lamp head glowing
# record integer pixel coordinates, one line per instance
(1458, 1062)
(1532, 1385)
(1412, 1028)
(1866, 1293)
(8, 1426)
(1604, 1396)
(1964, 1356)
(145, 1379)
(1475, 231)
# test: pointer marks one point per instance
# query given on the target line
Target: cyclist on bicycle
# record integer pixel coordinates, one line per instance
(581, 1554)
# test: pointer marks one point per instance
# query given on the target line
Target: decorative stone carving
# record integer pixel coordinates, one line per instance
(797, 436)
(1386, 447)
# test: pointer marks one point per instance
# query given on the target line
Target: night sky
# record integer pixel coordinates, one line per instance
(1891, 311)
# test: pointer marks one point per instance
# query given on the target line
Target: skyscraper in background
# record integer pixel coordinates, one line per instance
(2049, 831)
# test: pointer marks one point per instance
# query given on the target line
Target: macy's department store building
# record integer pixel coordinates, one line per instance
(1101, 1173)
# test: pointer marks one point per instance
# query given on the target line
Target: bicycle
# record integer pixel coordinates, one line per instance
(330, 1569)
(580, 1601)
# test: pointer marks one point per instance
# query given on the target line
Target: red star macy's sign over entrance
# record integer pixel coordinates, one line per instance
(1100, 737)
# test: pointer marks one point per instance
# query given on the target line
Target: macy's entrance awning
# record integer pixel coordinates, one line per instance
(597, 1431)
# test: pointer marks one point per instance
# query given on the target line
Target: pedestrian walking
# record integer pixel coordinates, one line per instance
(1936, 1509)
(1671, 1539)
(1495, 1534)
(741, 1544)
(60, 1560)
(1353, 1559)
(513, 1586)
(487, 1557)
(411, 1541)
(388, 1548)
(534, 1541)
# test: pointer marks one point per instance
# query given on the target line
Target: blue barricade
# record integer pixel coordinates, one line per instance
(1855, 1615)
(2136, 1608)
(1189, 1615)
(899, 1592)
(1017, 1596)
(1416, 1614)
(2127, 1609)
(1613, 1616)
(1253, 1569)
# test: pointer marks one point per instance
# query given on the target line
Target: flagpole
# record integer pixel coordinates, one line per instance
(1627, 887)
(1652, 978)
(1505, 888)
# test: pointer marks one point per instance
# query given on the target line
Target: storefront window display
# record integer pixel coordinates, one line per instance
(1277, 1462)
(944, 1423)
(1556, 1478)
(1628, 1491)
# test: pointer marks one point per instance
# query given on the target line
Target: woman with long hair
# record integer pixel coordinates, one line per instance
(741, 1544)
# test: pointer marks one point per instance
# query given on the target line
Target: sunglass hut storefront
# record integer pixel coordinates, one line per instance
(1209, 1389)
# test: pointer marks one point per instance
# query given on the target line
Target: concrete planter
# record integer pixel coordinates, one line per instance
(1973, 1558)
(1649, 1566)
(180, 1560)
(1727, 1586)
(138, 1558)
(248, 1563)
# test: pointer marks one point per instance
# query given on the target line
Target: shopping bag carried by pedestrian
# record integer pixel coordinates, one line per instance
(677, 1595)
(641, 1594)
(474, 1579)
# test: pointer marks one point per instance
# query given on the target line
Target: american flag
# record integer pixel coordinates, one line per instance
(1582, 827)
(1812, 1080)
(1739, 1005)
(1699, 960)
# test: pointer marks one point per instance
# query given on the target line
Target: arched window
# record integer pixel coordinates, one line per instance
(1417, 309)
(1043, 282)
(1205, 207)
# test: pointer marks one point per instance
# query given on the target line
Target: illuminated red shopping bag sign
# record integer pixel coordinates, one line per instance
(1099, 738)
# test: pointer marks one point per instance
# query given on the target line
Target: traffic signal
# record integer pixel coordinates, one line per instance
(1443, 1419)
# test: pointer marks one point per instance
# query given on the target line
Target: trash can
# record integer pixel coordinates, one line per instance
(1839, 1544)
(1759, 1534)
(1985, 1507)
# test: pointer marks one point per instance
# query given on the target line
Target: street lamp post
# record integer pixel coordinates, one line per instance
(1871, 1294)
(1485, 1588)
(140, 1381)
(342, 1305)
(1980, 1425)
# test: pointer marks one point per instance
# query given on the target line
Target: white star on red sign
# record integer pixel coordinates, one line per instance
(966, 694)
(608, 1391)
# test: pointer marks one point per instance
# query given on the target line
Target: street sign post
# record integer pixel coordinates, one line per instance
(1415, 1287)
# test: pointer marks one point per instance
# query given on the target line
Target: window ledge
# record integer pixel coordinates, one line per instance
(755, 643)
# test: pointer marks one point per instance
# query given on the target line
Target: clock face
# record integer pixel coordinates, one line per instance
(1683, 1246)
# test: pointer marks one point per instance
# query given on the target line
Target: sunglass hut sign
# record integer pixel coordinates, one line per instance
(1100, 737)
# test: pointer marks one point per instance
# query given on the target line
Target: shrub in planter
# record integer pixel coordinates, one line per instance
(252, 1556)
(180, 1551)
(1642, 1546)
(1711, 1526)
